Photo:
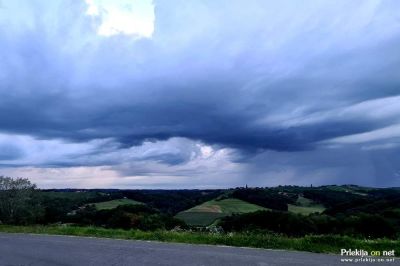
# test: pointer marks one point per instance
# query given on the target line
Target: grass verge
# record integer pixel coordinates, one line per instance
(319, 244)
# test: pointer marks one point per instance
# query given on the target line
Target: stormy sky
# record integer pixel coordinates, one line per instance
(200, 94)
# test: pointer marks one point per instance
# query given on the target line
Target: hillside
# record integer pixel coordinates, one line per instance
(208, 212)
(111, 204)
(293, 210)
(305, 206)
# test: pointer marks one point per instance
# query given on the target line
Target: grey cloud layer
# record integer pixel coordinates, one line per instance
(249, 75)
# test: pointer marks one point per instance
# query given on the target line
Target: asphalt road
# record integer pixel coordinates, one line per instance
(45, 250)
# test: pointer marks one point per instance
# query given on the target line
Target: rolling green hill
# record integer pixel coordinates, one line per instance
(305, 206)
(350, 189)
(111, 204)
(208, 212)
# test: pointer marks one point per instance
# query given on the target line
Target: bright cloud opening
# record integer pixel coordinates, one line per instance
(130, 17)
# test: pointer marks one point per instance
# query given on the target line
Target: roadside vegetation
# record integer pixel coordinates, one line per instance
(319, 244)
(318, 219)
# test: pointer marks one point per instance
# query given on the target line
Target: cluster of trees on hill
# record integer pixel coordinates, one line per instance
(370, 213)
(360, 225)
(331, 198)
(19, 203)
(56, 205)
(172, 201)
(126, 216)
(265, 197)
(167, 201)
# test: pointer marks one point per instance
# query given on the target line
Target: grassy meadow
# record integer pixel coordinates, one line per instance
(208, 212)
(111, 204)
(305, 206)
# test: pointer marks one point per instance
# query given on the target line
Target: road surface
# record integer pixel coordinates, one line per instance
(46, 250)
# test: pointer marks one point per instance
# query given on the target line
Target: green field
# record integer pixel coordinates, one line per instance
(207, 212)
(111, 204)
(305, 206)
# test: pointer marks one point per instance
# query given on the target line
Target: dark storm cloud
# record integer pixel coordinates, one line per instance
(252, 76)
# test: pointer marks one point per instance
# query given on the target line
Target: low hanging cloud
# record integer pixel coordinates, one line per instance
(269, 83)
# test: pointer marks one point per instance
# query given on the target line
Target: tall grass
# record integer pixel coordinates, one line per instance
(320, 244)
